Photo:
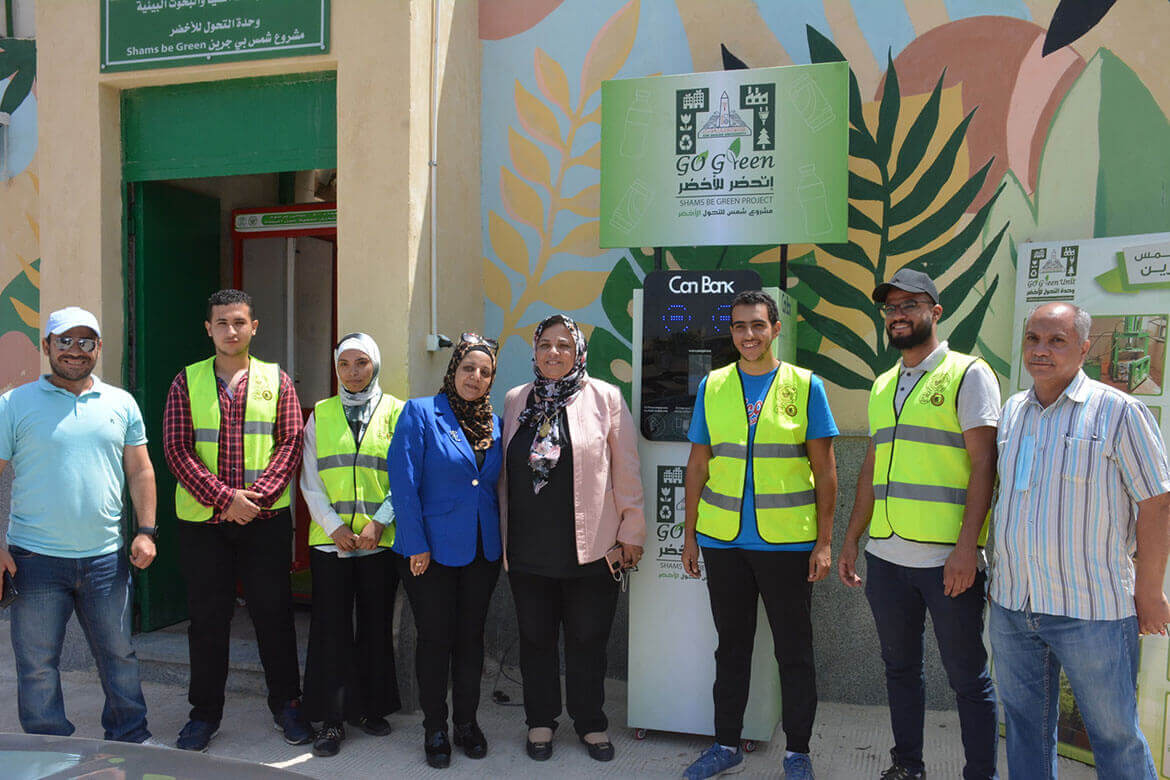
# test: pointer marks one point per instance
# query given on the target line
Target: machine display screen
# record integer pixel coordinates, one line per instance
(686, 321)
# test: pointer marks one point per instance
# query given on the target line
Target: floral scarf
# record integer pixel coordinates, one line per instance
(475, 417)
(550, 397)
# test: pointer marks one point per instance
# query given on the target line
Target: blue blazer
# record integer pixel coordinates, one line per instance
(441, 500)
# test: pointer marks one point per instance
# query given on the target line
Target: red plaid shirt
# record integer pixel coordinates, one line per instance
(216, 491)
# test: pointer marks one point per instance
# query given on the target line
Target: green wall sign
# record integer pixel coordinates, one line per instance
(730, 157)
(139, 34)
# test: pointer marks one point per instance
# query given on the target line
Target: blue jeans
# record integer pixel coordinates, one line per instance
(1100, 658)
(51, 589)
(899, 597)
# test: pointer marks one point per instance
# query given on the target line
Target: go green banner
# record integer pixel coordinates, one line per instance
(730, 157)
(139, 34)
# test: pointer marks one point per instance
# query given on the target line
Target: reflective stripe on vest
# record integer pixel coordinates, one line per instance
(259, 424)
(784, 495)
(921, 465)
(354, 476)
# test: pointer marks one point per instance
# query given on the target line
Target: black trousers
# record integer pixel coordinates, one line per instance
(585, 607)
(734, 579)
(349, 671)
(450, 605)
(213, 556)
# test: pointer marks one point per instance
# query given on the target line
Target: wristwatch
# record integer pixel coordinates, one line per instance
(148, 530)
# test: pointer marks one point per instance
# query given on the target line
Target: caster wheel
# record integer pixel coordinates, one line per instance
(749, 746)
(639, 734)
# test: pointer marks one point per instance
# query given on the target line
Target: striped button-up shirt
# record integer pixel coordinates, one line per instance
(1065, 522)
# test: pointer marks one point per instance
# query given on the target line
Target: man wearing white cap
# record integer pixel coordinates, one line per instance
(74, 443)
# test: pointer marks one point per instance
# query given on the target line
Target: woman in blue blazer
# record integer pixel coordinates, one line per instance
(444, 462)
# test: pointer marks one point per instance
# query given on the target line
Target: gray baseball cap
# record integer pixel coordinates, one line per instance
(908, 280)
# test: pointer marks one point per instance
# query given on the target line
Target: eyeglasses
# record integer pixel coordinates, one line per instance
(65, 342)
(906, 307)
(470, 337)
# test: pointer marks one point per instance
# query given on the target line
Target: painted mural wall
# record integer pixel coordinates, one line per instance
(20, 256)
(975, 126)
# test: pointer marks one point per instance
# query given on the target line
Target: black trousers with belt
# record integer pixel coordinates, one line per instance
(349, 671)
(450, 605)
(213, 556)
(585, 607)
(735, 578)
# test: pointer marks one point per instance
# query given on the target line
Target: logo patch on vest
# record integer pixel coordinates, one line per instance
(264, 389)
(933, 392)
(786, 399)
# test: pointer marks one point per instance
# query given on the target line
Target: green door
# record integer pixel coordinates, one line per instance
(173, 257)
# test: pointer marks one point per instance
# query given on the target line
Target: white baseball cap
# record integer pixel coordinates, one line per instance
(71, 317)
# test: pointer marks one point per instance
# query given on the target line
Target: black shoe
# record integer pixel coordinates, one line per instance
(375, 727)
(328, 741)
(598, 751)
(472, 740)
(539, 751)
(438, 750)
(900, 772)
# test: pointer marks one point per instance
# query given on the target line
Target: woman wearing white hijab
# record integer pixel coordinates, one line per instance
(349, 672)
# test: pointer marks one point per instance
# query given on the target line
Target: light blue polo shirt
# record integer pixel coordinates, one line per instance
(66, 454)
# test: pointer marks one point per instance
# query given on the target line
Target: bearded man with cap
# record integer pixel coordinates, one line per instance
(924, 492)
(75, 443)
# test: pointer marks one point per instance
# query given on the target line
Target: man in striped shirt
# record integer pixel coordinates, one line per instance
(1084, 490)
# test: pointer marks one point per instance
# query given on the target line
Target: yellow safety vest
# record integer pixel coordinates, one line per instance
(786, 511)
(921, 466)
(354, 475)
(259, 428)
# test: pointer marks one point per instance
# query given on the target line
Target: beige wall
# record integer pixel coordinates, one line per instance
(381, 51)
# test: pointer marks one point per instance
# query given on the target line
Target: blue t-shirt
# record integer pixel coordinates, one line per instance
(66, 452)
(755, 388)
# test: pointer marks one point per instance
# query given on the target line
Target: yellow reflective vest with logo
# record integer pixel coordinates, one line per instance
(354, 475)
(921, 466)
(259, 428)
(785, 498)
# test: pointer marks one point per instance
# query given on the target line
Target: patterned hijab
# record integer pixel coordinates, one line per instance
(475, 417)
(550, 396)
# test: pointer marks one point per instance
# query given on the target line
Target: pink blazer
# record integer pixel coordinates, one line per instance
(607, 477)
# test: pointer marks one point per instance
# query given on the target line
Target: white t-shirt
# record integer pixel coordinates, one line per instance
(978, 405)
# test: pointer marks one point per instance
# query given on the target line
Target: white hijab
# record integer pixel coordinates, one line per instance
(360, 405)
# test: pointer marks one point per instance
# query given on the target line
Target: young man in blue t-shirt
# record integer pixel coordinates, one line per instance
(775, 553)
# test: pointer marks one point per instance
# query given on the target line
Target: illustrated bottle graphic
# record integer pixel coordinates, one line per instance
(637, 127)
(810, 103)
(810, 191)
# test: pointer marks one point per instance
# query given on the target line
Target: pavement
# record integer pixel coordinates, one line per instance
(850, 741)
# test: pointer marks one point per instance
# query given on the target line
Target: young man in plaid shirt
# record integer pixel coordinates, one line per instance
(232, 434)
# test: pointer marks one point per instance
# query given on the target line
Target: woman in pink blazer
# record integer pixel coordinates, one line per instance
(570, 489)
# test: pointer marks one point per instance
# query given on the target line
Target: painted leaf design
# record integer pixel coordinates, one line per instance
(496, 285)
(609, 50)
(522, 202)
(28, 315)
(964, 334)
(582, 240)
(591, 157)
(551, 79)
(572, 290)
(537, 118)
(607, 352)
(508, 243)
(615, 297)
(587, 202)
(528, 159)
